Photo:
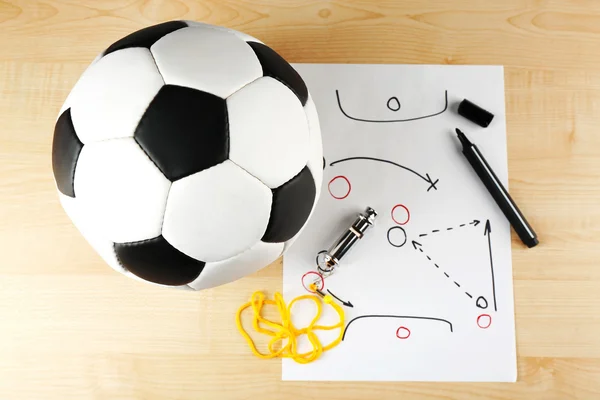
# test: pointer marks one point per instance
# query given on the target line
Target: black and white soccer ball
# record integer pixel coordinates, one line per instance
(188, 155)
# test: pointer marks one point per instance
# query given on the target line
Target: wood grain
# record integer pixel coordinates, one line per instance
(71, 328)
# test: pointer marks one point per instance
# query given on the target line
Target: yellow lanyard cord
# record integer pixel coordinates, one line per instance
(285, 332)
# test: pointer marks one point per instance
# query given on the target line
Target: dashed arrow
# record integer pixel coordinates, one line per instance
(475, 222)
(418, 246)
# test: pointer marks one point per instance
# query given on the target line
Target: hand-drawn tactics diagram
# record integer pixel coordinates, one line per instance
(427, 291)
(340, 187)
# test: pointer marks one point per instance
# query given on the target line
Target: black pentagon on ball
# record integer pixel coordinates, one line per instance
(155, 260)
(276, 67)
(292, 203)
(66, 147)
(145, 37)
(184, 131)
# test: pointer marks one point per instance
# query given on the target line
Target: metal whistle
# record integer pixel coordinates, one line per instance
(327, 260)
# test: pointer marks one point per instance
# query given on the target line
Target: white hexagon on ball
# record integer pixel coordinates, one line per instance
(203, 64)
(110, 98)
(268, 130)
(121, 190)
(217, 213)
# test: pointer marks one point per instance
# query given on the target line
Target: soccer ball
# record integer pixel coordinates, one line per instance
(188, 155)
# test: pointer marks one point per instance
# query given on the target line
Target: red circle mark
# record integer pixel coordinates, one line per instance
(403, 333)
(481, 324)
(333, 180)
(315, 273)
(407, 213)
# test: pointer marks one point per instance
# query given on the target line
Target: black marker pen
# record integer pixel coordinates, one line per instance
(498, 192)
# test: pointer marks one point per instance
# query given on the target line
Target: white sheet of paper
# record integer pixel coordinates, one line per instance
(438, 310)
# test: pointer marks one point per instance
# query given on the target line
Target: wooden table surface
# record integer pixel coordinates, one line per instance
(72, 328)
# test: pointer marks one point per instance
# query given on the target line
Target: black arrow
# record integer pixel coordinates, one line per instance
(415, 244)
(426, 178)
(475, 222)
(488, 232)
(346, 303)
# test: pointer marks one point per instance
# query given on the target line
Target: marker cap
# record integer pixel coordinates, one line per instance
(474, 113)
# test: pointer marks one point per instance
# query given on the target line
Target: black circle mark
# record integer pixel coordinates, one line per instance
(484, 303)
(390, 241)
(397, 102)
